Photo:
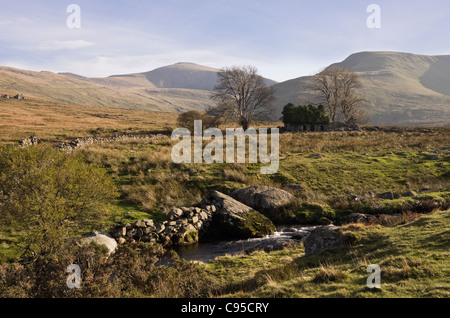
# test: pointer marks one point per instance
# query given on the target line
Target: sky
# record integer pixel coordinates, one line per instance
(283, 39)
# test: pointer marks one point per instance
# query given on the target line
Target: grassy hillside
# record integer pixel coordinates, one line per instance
(403, 89)
(113, 92)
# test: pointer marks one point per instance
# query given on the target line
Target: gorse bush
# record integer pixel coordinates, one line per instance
(49, 196)
(130, 272)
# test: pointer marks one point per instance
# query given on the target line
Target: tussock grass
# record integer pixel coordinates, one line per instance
(413, 259)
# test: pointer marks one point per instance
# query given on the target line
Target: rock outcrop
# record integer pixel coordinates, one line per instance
(322, 238)
(267, 200)
(235, 220)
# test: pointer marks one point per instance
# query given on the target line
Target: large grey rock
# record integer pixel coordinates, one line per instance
(322, 238)
(235, 220)
(267, 200)
(101, 238)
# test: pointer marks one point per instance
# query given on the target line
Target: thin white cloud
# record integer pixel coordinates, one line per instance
(64, 45)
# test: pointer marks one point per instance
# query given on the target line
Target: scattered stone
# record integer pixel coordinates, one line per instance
(323, 238)
(409, 194)
(433, 157)
(272, 245)
(387, 196)
(316, 156)
(295, 187)
(357, 218)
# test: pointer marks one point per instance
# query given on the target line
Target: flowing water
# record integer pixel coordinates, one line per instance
(208, 252)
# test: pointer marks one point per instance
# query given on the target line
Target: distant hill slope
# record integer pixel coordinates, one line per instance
(176, 88)
(404, 89)
(180, 75)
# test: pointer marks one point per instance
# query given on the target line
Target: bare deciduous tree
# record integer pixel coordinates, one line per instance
(336, 87)
(241, 94)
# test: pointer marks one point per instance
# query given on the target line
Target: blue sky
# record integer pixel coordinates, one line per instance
(284, 39)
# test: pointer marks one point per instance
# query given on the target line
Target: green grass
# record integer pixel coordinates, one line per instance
(413, 257)
(342, 173)
(414, 261)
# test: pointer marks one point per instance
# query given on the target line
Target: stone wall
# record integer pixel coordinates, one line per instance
(30, 141)
(85, 141)
(184, 226)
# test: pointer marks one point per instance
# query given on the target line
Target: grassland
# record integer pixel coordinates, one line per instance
(413, 255)
(413, 259)
(63, 122)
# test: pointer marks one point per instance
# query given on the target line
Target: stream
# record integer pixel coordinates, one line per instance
(208, 252)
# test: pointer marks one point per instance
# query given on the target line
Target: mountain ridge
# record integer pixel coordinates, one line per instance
(403, 88)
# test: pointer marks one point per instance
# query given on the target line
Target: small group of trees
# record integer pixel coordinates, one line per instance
(308, 114)
(242, 95)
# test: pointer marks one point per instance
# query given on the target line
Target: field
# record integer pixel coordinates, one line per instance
(63, 122)
(352, 170)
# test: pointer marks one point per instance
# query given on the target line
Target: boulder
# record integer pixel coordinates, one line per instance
(101, 238)
(294, 187)
(357, 218)
(267, 200)
(322, 238)
(235, 220)
(409, 194)
(387, 196)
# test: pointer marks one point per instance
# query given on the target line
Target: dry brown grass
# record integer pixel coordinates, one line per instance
(341, 142)
(48, 120)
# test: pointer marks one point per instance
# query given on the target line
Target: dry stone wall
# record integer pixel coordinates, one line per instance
(85, 141)
(184, 226)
